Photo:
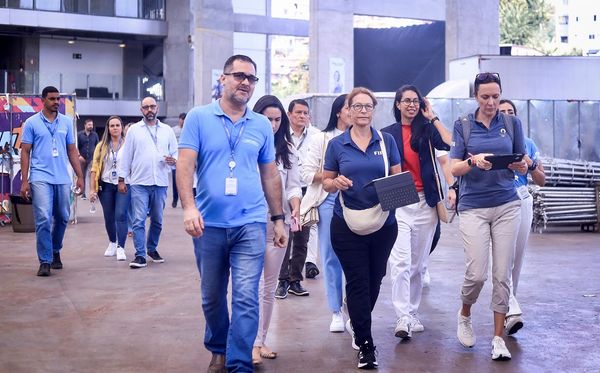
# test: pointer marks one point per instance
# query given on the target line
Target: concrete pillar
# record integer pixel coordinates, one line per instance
(178, 59)
(472, 27)
(212, 31)
(331, 33)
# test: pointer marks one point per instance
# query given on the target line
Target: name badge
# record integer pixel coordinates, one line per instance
(113, 175)
(54, 152)
(231, 186)
(523, 192)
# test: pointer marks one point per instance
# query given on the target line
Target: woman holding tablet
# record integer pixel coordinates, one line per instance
(488, 206)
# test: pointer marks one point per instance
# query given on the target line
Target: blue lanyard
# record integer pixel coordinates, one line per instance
(48, 125)
(234, 144)
(115, 153)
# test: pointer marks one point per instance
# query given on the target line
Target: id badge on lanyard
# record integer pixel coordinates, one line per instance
(231, 184)
(54, 148)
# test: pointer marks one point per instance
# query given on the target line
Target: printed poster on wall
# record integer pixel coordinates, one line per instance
(337, 75)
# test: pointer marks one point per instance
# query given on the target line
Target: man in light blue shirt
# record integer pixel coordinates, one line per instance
(234, 151)
(149, 154)
(48, 146)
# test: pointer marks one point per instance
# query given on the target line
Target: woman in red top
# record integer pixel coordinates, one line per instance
(417, 132)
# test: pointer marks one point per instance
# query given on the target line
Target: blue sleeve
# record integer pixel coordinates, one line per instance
(392, 149)
(519, 146)
(190, 134)
(458, 150)
(267, 152)
(331, 162)
(534, 152)
(27, 134)
(70, 137)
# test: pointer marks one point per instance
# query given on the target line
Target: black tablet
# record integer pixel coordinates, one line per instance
(501, 161)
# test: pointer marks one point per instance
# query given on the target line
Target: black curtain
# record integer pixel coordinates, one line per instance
(385, 59)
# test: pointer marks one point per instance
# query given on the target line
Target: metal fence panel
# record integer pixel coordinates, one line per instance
(541, 119)
(566, 129)
(589, 130)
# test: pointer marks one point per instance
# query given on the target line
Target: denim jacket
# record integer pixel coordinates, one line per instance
(427, 172)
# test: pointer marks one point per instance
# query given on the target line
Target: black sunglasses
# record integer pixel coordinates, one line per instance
(240, 77)
(483, 78)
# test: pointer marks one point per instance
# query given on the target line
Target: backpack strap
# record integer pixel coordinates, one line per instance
(466, 130)
(509, 124)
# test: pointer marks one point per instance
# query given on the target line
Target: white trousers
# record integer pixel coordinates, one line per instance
(268, 284)
(480, 227)
(416, 226)
(312, 250)
(522, 238)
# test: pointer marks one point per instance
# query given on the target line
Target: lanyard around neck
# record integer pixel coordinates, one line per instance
(152, 135)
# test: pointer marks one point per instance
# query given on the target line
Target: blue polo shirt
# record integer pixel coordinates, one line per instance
(479, 188)
(345, 157)
(204, 132)
(38, 131)
(533, 152)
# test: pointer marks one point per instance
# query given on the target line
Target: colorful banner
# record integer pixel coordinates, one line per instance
(14, 111)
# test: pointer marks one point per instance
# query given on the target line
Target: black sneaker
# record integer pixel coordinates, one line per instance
(174, 204)
(282, 289)
(56, 263)
(155, 256)
(367, 356)
(138, 262)
(312, 270)
(44, 270)
(297, 289)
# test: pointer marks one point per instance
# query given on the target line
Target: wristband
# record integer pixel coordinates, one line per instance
(434, 119)
(121, 179)
(277, 217)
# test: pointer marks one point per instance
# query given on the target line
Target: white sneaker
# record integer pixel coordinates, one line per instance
(111, 249)
(351, 331)
(416, 325)
(337, 323)
(425, 279)
(512, 324)
(499, 350)
(121, 253)
(465, 333)
(403, 329)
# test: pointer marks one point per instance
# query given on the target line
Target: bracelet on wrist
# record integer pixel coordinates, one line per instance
(434, 119)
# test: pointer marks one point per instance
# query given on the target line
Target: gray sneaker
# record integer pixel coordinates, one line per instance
(403, 328)
(465, 333)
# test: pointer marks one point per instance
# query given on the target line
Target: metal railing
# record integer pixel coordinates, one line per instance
(90, 86)
(145, 9)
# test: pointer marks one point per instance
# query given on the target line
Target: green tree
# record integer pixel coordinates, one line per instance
(526, 22)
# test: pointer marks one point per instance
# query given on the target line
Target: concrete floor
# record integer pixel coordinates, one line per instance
(98, 315)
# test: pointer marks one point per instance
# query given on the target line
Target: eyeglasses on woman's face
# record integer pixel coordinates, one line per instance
(408, 101)
(359, 107)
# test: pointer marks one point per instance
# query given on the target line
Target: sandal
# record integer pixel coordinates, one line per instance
(256, 356)
(267, 354)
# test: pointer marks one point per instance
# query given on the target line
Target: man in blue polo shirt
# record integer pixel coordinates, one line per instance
(233, 151)
(48, 146)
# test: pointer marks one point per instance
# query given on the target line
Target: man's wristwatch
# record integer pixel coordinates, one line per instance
(533, 166)
(121, 180)
(277, 217)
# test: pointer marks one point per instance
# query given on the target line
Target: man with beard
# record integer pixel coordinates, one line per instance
(149, 154)
(234, 151)
(48, 145)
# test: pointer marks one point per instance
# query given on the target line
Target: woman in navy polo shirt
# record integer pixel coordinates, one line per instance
(417, 132)
(489, 207)
(352, 160)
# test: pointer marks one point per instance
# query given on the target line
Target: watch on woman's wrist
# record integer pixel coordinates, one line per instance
(470, 162)
(434, 119)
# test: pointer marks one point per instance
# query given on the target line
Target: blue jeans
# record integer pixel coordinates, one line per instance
(217, 251)
(114, 208)
(333, 268)
(144, 199)
(51, 216)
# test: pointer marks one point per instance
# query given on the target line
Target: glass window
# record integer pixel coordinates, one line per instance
(126, 8)
(294, 9)
(76, 6)
(153, 9)
(102, 8)
(48, 5)
(22, 4)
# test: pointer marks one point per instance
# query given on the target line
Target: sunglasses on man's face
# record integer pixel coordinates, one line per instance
(240, 77)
